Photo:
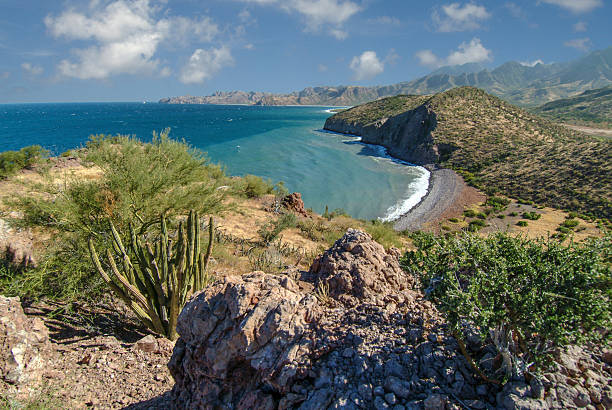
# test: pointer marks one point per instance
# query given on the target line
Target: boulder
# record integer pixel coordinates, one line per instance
(23, 343)
(293, 202)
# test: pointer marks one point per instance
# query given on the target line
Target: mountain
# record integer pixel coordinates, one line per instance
(495, 145)
(592, 107)
(512, 81)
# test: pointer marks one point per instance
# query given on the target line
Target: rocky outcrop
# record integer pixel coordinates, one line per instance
(364, 338)
(23, 344)
(294, 203)
(406, 136)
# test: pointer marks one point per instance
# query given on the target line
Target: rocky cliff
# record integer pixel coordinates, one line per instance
(493, 143)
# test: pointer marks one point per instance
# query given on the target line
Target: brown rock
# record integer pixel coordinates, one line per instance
(23, 343)
(293, 202)
(147, 344)
(359, 268)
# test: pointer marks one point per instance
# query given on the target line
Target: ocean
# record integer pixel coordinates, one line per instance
(280, 143)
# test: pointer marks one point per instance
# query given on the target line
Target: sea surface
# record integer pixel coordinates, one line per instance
(280, 143)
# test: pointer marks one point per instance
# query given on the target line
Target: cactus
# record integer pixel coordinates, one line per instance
(156, 279)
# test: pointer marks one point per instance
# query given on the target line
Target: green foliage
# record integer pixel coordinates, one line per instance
(543, 292)
(476, 225)
(155, 278)
(497, 203)
(532, 216)
(453, 220)
(140, 181)
(270, 231)
(513, 214)
(469, 213)
(256, 187)
(13, 161)
(383, 233)
(570, 223)
(481, 215)
(522, 223)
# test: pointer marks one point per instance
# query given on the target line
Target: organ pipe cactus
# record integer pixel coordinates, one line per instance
(155, 279)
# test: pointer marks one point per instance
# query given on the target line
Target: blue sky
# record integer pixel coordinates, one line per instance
(132, 50)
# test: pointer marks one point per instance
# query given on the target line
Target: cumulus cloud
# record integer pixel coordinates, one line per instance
(576, 6)
(124, 37)
(203, 64)
(579, 27)
(318, 13)
(366, 66)
(582, 44)
(455, 17)
(532, 63)
(385, 21)
(472, 52)
(32, 69)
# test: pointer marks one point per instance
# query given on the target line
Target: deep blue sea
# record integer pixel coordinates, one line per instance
(280, 143)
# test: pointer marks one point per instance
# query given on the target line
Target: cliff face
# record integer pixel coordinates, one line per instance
(406, 136)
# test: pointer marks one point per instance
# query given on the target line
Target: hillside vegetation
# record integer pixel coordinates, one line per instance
(592, 107)
(495, 146)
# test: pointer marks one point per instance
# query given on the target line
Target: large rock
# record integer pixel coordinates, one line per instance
(23, 343)
(245, 331)
(358, 268)
(294, 203)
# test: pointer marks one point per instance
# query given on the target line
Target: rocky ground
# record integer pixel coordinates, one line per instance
(354, 332)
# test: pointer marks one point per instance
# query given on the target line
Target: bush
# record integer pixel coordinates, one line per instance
(469, 213)
(536, 293)
(13, 161)
(476, 225)
(497, 203)
(256, 187)
(513, 214)
(454, 220)
(139, 183)
(522, 223)
(570, 223)
(270, 231)
(383, 233)
(532, 216)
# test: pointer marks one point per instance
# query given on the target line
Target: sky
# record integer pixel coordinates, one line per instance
(135, 50)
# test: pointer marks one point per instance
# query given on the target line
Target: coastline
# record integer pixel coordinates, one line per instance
(445, 194)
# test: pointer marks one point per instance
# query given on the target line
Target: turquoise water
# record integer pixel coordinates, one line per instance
(280, 143)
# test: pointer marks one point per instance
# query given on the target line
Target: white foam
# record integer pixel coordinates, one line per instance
(417, 189)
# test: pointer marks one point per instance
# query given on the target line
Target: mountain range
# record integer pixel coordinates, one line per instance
(515, 82)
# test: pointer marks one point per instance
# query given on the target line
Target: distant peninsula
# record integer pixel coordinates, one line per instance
(520, 84)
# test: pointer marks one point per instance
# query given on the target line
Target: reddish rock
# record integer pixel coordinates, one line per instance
(293, 202)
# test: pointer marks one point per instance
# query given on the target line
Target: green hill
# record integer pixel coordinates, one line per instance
(493, 144)
(593, 107)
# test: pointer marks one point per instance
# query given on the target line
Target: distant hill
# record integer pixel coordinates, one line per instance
(592, 107)
(496, 146)
(512, 81)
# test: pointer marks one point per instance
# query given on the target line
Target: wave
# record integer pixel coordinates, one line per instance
(416, 190)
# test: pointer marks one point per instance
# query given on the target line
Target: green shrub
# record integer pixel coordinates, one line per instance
(513, 214)
(383, 233)
(481, 215)
(532, 216)
(270, 231)
(469, 213)
(13, 161)
(501, 216)
(522, 223)
(453, 220)
(497, 203)
(570, 223)
(538, 292)
(476, 225)
(139, 182)
(256, 187)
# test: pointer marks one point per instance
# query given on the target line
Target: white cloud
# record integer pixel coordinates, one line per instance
(366, 66)
(580, 27)
(576, 6)
(249, 46)
(318, 13)
(124, 37)
(322, 68)
(203, 64)
(32, 69)
(515, 10)
(472, 52)
(385, 21)
(582, 44)
(455, 17)
(532, 63)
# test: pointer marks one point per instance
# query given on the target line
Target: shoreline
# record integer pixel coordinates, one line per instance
(444, 189)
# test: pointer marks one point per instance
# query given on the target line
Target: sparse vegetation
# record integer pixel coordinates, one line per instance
(522, 223)
(13, 161)
(532, 216)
